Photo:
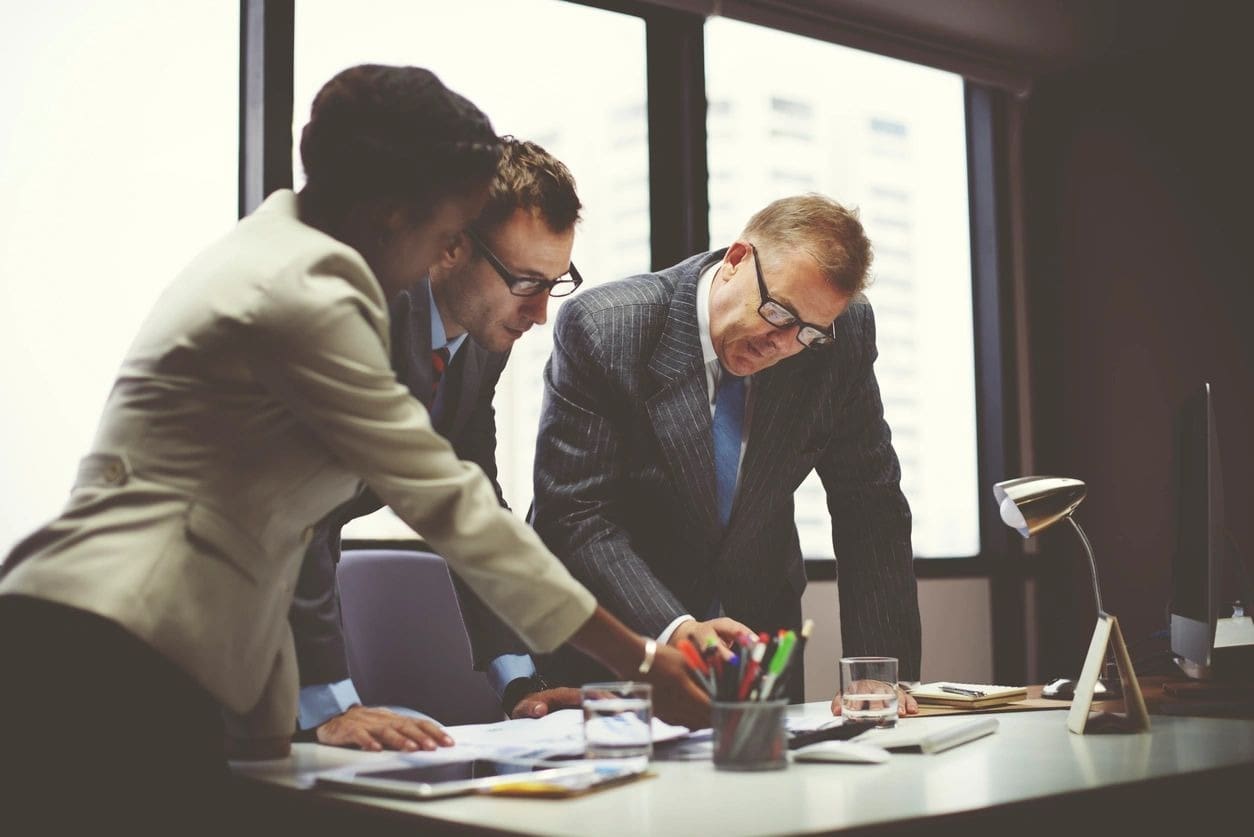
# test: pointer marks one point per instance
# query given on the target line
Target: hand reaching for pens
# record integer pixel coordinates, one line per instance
(676, 698)
(722, 630)
(906, 704)
(539, 704)
(379, 729)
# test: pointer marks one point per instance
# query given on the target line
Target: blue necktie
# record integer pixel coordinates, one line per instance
(729, 419)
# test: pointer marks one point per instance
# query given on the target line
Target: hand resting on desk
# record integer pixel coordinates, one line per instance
(906, 704)
(377, 729)
(539, 704)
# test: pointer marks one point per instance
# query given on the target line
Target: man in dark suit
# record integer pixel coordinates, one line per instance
(682, 411)
(451, 337)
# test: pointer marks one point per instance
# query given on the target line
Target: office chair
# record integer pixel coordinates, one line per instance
(405, 638)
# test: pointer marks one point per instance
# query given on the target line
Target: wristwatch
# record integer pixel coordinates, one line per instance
(519, 688)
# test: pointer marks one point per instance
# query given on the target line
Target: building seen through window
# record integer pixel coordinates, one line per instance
(885, 136)
(577, 88)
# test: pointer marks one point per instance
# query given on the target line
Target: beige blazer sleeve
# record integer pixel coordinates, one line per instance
(331, 369)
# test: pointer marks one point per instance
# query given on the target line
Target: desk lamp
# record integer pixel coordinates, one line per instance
(1030, 505)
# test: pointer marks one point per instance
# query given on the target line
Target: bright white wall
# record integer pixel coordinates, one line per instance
(118, 160)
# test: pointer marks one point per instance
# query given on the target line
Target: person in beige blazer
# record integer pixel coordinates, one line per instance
(257, 394)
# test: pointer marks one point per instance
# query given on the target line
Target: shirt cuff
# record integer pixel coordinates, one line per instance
(321, 703)
(507, 668)
(664, 638)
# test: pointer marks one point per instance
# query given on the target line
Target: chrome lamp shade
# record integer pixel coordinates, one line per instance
(1032, 504)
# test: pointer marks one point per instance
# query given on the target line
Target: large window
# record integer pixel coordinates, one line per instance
(117, 164)
(786, 114)
(789, 114)
(569, 77)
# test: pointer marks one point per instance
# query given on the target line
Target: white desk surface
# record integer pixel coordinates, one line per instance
(1031, 756)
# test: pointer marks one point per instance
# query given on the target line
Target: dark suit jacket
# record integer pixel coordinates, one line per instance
(625, 476)
(469, 423)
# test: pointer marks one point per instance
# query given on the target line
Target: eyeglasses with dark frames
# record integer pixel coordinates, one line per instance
(781, 316)
(564, 285)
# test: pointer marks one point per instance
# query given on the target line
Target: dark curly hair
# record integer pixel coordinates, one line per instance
(393, 133)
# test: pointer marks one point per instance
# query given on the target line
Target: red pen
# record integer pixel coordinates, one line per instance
(692, 657)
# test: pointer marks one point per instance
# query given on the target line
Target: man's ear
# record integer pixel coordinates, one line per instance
(456, 253)
(732, 259)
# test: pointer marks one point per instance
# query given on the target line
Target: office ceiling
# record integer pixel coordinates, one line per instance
(1029, 37)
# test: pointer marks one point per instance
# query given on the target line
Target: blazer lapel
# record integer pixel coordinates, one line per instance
(680, 408)
(411, 341)
(464, 377)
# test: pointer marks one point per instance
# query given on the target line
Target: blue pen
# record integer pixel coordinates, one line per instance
(731, 676)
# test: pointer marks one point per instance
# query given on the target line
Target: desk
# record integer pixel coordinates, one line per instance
(1029, 773)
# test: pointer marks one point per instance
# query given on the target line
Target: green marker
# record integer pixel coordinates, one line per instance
(779, 662)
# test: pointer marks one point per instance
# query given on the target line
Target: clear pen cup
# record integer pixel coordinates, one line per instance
(750, 735)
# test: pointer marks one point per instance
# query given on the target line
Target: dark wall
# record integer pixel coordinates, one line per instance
(1139, 224)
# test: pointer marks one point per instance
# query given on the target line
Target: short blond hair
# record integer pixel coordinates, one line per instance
(831, 234)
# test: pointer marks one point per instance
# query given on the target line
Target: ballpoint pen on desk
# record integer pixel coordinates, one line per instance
(958, 690)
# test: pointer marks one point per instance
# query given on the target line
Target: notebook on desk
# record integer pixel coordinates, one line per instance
(967, 695)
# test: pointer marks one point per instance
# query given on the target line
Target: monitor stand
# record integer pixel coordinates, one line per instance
(1229, 657)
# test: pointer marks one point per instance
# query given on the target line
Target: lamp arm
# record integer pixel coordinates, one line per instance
(1088, 548)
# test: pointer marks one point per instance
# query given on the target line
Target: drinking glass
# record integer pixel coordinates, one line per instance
(617, 720)
(868, 689)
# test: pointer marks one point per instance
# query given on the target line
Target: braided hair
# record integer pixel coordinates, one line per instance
(393, 133)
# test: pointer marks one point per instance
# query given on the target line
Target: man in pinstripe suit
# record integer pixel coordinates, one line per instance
(628, 493)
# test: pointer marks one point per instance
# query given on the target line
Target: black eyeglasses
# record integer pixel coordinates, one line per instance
(781, 316)
(563, 285)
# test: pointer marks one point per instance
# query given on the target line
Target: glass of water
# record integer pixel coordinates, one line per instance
(868, 689)
(617, 720)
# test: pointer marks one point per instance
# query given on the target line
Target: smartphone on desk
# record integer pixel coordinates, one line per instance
(457, 778)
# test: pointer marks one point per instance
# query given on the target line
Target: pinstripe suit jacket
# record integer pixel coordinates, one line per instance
(468, 422)
(625, 476)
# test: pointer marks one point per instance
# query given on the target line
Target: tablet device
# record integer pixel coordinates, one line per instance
(455, 778)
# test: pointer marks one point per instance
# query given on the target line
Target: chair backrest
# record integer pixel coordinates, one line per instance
(405, 638)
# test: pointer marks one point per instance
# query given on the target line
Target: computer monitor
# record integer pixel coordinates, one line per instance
(1211, 635)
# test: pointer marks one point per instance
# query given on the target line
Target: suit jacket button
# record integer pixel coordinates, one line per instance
(113, 473)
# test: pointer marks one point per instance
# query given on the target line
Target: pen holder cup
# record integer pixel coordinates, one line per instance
(750, 735)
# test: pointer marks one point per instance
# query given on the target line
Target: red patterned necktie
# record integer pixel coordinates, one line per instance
(439, 362)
